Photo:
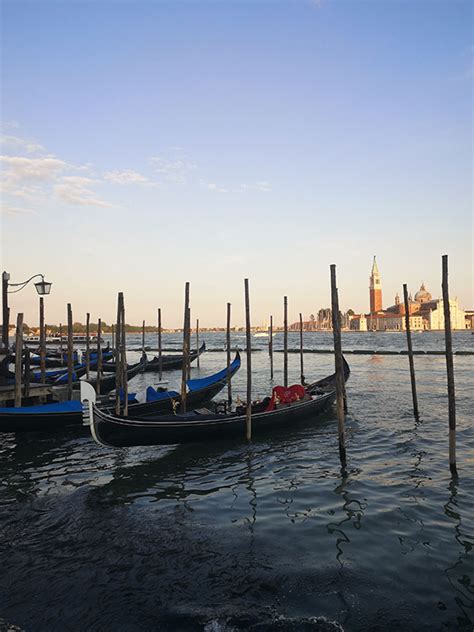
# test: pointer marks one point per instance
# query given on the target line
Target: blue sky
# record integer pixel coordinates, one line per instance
(151, 143)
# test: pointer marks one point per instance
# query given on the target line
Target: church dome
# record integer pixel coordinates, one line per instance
(422, 296)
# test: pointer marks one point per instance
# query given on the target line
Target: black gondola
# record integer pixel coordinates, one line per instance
(56, 415)
(169, 362)
(108, 383)
(203, 426)
(58, 377)
(201, 391)
(53, 360)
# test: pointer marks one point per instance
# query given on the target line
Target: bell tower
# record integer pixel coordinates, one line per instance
(375, 289)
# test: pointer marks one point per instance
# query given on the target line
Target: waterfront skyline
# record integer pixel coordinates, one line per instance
(237, 323)
(215, 142)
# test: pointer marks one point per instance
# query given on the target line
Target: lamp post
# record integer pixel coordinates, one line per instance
(42, 287)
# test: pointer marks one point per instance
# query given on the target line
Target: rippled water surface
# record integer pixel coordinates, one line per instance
(266, 535)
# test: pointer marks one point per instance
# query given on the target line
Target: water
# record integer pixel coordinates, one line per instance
(270, 535)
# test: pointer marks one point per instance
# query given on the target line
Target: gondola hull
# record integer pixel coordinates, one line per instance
(204, 426)
(120, 432)
(168, 362)
(57, 415)
(108, 383)
(52, 362)
(194, 398)
(46, 417)
(173, 362)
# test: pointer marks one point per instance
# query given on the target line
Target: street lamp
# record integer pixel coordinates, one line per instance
(42, 287)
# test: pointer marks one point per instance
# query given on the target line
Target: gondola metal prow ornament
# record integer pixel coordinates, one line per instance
(88, 398)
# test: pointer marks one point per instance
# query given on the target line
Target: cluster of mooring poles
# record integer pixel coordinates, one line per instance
(22, 356)
(339, 364)
(23, 360)
(449, 363)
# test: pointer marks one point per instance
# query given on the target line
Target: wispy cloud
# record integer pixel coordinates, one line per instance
(29, 178)
(16, 143)
(20, 169)
(9, 125)
(125, 177)
(175, 170)
(76, 190)
(212, 186)
(39, 178)
(263, 186)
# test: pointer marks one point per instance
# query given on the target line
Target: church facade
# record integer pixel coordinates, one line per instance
(424, 311)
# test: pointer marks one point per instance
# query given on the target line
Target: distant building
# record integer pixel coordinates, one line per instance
(375, 289)
(358, 322)
(469, 318)
(433, 314)
(424, 311)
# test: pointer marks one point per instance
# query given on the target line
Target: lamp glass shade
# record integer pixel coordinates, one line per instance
(43, 287)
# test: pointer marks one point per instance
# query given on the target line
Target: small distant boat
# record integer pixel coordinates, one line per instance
(262, 334)
(56, 340)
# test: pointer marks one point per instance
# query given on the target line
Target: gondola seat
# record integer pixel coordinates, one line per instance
(156, 396)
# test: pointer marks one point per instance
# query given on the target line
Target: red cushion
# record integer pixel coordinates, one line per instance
(282, 395)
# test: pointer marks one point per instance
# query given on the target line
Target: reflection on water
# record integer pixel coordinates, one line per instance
(268, 533)
(459, 575)
(353, 510)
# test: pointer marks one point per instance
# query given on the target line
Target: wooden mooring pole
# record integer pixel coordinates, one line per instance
(410, 352)
(301, 350)
(18, 358)
(270, 346)
(123, 354)
(449, 369)
(184, 372)
(118, 355)
(285, 341)
(198, 362)
(114, 355)
(42, 341)
(188, 363)
(248, 417)
(99, 354)
(88, 346)
(70, 351)
(26, 390)
(61, 342)
(6, 310)
(336, 327)
(143, 337)
(160, 350)
(229, 384)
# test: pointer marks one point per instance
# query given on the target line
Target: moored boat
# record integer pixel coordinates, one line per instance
(57, 340)
(204, 425)
(200, 391)
(56, 415)
(168, 362)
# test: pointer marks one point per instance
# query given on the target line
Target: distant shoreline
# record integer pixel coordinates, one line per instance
(151, 330)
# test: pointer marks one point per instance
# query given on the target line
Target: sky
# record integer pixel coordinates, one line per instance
(146, 144)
